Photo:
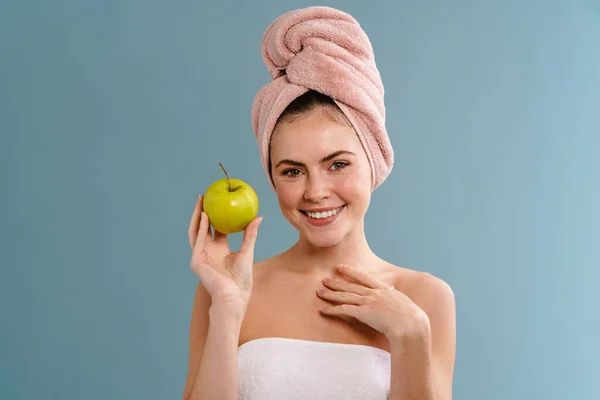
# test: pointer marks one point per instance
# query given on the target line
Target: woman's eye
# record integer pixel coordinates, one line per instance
(340, 164)
(291, 172)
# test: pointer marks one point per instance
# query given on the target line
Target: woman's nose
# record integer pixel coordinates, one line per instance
(317, 188)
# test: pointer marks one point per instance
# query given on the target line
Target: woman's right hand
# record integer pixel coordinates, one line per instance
(226, 275)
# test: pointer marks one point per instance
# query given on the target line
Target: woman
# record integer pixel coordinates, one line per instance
(327, 318)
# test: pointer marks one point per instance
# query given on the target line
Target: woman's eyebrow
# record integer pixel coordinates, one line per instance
(324, 159)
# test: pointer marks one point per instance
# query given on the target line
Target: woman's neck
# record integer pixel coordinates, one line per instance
(353, 250)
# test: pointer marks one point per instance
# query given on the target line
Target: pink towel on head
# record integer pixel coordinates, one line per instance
(326, 50)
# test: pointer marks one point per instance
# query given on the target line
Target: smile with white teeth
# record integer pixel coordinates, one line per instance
(324, 214)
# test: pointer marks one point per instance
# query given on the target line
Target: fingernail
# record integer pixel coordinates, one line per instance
(341, 266)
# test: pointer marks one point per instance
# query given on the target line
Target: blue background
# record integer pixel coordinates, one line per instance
(115, 114)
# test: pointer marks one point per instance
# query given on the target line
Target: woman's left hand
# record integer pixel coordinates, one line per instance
(374, 303)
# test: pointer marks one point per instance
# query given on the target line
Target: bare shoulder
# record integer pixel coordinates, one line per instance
(267, 261)
(265, 272)
(262, 266)
(403, 279)
(425, 289)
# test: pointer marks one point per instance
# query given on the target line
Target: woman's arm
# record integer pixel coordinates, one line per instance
(412, 376)
(214, 337)
(423, 361)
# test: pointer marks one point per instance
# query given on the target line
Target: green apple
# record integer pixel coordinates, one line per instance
(231, 204)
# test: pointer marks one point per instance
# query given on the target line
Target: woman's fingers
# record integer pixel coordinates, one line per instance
(204, 235)
(194, 222)
(220, 238)
(344, 286)
(342, 297)
(249, 239)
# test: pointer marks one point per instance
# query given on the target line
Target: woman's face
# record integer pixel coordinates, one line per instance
(320, 165)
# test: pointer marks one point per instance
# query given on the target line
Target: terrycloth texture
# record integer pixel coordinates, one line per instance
(294, 369)
(326, 50)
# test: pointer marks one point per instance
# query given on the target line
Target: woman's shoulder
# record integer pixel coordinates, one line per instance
(263, 268)
(414, 282)
(431, 293)
(267, 262)
(403, 278)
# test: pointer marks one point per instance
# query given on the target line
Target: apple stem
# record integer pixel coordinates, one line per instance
(228, 181)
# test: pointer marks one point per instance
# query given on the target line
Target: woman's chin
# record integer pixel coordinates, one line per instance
(323, 239)
(324, 243)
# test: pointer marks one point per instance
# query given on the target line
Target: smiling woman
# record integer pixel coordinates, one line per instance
(320, 166)
(327, 318)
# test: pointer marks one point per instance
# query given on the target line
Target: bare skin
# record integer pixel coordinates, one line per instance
(284, 304)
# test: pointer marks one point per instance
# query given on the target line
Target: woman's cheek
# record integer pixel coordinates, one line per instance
(351, 184)
(288, 194)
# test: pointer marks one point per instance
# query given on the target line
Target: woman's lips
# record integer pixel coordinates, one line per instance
(323, 221)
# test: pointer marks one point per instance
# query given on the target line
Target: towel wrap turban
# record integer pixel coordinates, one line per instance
(325, 50)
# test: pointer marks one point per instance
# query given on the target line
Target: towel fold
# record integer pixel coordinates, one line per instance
(325, 50)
